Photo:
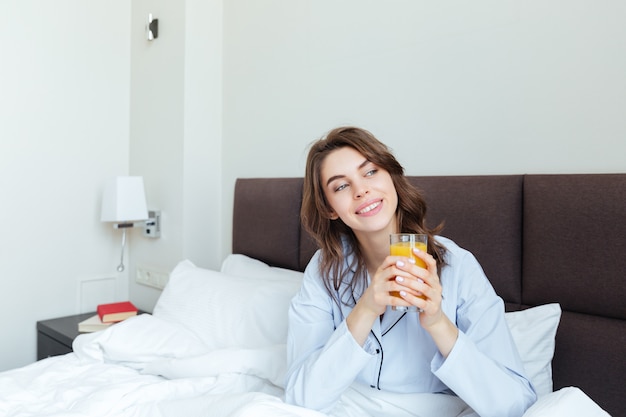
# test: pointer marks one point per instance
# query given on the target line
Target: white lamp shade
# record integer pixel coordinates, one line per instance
(124, 200)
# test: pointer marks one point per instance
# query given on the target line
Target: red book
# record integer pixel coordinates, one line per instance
(113, 312)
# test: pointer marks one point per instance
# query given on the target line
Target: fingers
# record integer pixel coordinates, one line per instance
(422, 287)
(384, 289)
(431, 262)
(407, 267)
(406, 286)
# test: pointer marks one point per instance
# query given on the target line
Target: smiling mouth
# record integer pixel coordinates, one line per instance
(369, 208)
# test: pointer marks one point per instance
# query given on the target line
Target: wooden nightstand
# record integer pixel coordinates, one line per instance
(55, 336)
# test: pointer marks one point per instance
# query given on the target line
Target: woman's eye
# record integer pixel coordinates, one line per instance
(341, 187)
(371, 172)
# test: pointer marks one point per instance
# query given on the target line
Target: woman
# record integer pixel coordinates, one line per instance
(348, 351)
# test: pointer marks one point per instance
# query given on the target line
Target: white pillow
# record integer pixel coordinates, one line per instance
(566, 402)
(227, 311)
(534, 330)
(244, 266)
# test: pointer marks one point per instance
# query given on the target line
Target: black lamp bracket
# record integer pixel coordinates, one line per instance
(152, 28)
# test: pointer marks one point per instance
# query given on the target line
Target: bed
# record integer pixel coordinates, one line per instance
(207, 350)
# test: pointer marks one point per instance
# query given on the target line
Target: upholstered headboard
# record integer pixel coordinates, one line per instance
(266, 222)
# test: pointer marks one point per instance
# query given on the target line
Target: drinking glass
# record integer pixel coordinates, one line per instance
(402, 244)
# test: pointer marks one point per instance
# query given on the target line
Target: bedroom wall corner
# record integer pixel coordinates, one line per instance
(176, 114)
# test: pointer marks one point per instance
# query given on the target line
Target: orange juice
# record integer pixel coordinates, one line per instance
(406, 249)
(403, 245)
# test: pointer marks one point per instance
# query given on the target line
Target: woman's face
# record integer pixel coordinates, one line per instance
(360, 193)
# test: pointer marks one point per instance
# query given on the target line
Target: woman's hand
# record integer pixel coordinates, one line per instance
(375, 299)
(421, 287)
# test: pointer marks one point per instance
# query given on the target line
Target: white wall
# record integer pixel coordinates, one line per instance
(64, 114)
(176, 99)
(239, 88)
(478, 87)
(157, 133)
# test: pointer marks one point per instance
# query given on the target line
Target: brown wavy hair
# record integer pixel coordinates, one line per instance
(315, 210)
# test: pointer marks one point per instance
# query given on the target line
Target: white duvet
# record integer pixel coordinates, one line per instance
(147, 366)
(199, 354)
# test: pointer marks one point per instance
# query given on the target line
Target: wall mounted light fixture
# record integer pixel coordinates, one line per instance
(152, 28)
(124, 205)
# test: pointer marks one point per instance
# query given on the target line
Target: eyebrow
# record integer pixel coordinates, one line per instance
(336, 177)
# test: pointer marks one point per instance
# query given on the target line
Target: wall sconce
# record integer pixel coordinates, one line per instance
(124, 205)
(152, 28)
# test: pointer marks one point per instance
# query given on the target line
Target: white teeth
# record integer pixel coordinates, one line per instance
(369, 208)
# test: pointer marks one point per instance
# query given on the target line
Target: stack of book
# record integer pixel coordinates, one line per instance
(107, 314)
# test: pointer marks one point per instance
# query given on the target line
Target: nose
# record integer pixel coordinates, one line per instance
(360, 191)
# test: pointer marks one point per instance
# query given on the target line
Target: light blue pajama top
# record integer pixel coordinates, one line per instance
(483, 368)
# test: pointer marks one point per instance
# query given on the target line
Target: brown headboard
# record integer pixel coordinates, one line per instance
(266, 222)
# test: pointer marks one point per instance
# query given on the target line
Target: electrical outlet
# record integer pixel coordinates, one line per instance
(151, 277)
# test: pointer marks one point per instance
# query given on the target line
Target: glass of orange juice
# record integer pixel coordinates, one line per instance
(402, 244)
